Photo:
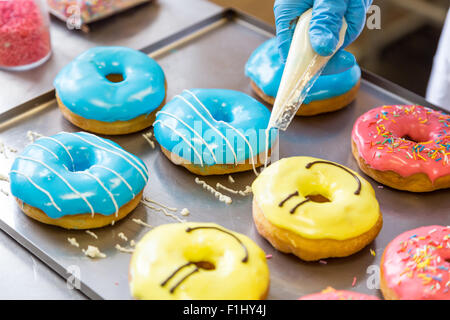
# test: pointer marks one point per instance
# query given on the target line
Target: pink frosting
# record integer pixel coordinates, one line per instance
(380, 135)
(332, 294)
(416, 264)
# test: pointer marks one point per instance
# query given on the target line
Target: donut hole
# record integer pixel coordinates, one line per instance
(318, 198)
(83, 159)
(444, 254)
(80, 165)
(205, 265)
(115, 77)
(222, 115)
(415, 138)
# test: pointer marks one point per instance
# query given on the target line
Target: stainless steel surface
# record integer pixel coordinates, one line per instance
(134, 28)
(23, 276)
(216, 59)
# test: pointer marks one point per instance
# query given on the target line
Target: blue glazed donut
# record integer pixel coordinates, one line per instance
(92, 99)
(213, 131)
(265, 69)
(71, 174)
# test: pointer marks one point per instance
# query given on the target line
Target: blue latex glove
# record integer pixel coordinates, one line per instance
(325, 25)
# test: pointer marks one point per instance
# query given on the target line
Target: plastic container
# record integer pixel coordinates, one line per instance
(24, 34)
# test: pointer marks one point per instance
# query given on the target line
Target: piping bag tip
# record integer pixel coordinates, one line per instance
(303, 67)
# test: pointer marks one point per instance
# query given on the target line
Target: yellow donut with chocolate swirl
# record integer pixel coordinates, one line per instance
(198, 261)
(315, 209)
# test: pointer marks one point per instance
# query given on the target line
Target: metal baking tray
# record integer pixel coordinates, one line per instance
(85, 23)
(212, 54)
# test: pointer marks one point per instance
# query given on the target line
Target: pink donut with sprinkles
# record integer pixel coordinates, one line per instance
(404, 147)
(332, 294)
(416, 265)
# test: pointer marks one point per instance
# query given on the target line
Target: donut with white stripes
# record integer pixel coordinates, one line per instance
(213, 131)
(77, 180)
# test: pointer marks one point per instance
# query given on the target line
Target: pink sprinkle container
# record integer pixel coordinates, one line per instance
(24, 34)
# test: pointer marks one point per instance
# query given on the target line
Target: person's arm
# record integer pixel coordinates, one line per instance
(326, 22)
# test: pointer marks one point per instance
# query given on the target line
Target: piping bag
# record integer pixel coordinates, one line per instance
(303, 67)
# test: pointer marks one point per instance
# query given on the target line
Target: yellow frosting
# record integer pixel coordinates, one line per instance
(347, 215)
(166, 248)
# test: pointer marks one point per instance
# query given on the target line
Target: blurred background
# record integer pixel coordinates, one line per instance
(401, 51)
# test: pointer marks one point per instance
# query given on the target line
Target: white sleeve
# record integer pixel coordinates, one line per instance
(438, 91)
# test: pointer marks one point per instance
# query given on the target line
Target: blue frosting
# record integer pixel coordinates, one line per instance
(216, 116)
(84, 89)
(76, 173)
(265, 68)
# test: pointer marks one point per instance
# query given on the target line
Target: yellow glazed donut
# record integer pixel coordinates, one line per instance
(315, 209)
(197, 261)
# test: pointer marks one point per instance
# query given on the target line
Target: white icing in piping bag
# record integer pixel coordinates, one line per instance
(303, 67)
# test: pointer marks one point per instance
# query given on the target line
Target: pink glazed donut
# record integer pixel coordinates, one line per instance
(333, 294)
(416, 264)
(404, 147)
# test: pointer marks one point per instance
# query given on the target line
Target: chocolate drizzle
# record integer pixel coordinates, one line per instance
(198, 265)
(175, 272)
(184, 278)
(358, 191)
(287, 198)
(245, 259)
(298, 205)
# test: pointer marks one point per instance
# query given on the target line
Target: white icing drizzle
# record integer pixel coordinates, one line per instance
(160, 204)
(122, 236)
(123, 152)
(163, 210)
(39, 188)
(247, 191)
(230, 178)
(185, 212)
(182, 137)
(124, 250)
(93, 252)
(266, 147)
(113, 222)
(113, 152)
(132, 243)
(89, 232)
(111, 196)
(142, 223)
(192, 129)
(73, 242)
(46, 149)
(231, 127)
(217, 194)
(3, 149)
(209, 123)
(221, 186)
(252, 157)
(241, 192)
(147, 136)
(62, 178)
(62, 145)
(118, 175)
(31, 135)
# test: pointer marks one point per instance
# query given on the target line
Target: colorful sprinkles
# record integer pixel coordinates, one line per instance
(404, 139)
(437, 149)
(423, 255)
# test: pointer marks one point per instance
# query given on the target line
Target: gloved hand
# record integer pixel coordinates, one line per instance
(325, 25)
